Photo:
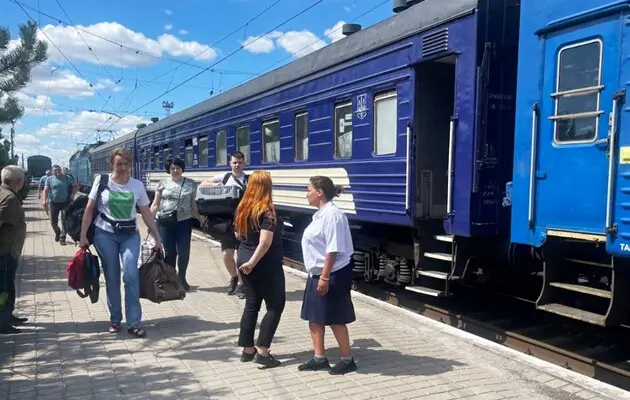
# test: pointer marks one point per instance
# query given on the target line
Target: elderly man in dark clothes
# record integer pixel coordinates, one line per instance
(12, 235)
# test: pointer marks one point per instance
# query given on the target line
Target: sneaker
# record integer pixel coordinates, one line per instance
(314, 365)
(266, 362)
(239, 292)
(57, 237)
(247, 357)
(62, 242)
(232, 285)
(343, 367)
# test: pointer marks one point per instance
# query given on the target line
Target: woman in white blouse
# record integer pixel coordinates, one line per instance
(327, 249)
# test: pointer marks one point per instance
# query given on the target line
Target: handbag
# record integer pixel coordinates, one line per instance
(171, 217)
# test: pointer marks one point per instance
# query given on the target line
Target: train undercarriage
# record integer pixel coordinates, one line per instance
(572, 278)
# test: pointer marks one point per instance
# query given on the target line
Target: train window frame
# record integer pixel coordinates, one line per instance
(156, 157)
(203, 161)
(583, 91)
(176, 147)
(190, 147)
(379, 97)
(248, 156)
(295, 136)
(165, 153)
(267, 122)
(216, 147)
(338, 105)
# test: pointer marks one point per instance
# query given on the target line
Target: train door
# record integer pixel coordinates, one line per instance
(570, 184)
(434, 104)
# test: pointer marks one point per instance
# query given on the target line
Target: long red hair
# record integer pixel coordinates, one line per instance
(256, 201)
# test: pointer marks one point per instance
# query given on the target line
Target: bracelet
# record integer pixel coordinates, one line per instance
(324, 279)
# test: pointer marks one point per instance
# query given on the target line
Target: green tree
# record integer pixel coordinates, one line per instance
(16, 63)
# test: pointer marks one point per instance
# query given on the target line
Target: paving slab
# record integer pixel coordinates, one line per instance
(191, 353)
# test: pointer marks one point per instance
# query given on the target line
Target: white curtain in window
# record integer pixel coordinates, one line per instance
(386, 117)
(272, 152)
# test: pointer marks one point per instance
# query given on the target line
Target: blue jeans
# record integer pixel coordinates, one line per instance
(176, 240)
(111, 248)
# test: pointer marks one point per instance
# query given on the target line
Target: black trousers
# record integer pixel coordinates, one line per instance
(56, 210)
(8, 268)
(265, 282)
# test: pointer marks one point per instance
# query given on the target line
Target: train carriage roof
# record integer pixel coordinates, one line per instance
(113, 143)
(409, 22)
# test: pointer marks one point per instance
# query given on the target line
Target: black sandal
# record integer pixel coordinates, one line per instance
(137, 332)
(114, 328)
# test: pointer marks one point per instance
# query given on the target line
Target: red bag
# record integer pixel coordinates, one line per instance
(75, 269)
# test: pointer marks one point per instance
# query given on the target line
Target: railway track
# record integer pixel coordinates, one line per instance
(583, 348)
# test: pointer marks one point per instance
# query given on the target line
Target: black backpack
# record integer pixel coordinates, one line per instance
(76, 209)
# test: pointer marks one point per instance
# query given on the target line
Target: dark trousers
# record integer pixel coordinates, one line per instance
(265, 282)
(176, 240)
(58, 210)
(8, 268)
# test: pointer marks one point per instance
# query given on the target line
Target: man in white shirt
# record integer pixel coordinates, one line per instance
(236, 177)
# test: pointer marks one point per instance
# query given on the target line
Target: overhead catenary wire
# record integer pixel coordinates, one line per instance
(64, 56)
(317, 2)
(132, 49)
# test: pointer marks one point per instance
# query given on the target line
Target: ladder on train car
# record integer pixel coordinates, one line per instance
(566, 292)
(439, 267)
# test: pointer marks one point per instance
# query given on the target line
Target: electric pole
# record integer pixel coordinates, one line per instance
(168, 106)
(12, 140)
(22, 160)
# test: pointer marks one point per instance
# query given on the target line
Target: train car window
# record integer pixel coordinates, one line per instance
(385, 123)
(221, 148)
(147, 159)
(271, 141)
(242, 141)
(176, 148)
(203, 151)
(578, 89)
(343, 130)
(166, 153)
(189, 152)
(156, 157)
(301, 137)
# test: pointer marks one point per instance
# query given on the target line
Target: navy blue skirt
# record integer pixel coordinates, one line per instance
(334, 308)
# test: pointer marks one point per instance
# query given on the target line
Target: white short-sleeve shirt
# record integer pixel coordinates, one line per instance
(329, 232)
(118, 202)
(230, 181)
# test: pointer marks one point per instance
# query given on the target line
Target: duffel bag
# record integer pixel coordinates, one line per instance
(159, 281)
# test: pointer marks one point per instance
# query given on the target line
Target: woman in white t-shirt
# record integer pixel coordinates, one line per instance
(116, 237)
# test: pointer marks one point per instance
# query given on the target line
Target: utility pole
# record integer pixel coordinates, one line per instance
(22, 160)
(12, 140)
(168, 106)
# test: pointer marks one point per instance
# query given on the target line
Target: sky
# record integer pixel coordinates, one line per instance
(111, 64)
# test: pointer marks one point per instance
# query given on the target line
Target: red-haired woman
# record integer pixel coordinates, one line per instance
(259, 258)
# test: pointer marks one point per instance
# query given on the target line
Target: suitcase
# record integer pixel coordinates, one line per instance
(159, 281)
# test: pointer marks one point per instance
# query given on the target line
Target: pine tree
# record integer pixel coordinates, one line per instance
(16, 63)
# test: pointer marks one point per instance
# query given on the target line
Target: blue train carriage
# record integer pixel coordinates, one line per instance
(100, 155)
(80, 166)
(386, 112)
(570, 189)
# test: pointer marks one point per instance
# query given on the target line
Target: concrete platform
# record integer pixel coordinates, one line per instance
(190, 351)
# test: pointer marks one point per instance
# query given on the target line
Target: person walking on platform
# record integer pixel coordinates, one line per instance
(12, 236)
(175, 206)
(327, 250)
(234, 178)
(116, 237)
(41, 187)
(59, 187)
(259, 259)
